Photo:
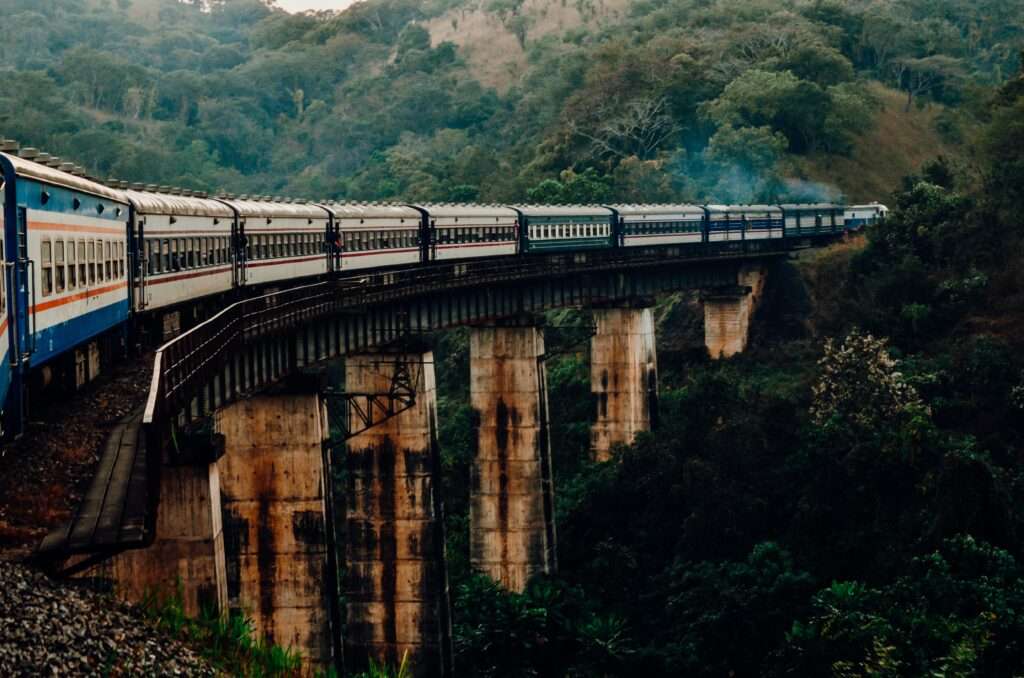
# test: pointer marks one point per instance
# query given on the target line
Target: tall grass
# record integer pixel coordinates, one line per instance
(229, 643)
(404, 669)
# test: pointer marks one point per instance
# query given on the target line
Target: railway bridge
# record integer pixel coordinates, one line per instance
(225, 485)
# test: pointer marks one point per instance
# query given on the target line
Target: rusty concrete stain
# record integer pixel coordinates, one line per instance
(512, 535)
(727, 316)
(272, 476)
(395, 586)
(623, 377)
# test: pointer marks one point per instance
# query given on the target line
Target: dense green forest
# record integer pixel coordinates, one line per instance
(641, 100)
(846, 506)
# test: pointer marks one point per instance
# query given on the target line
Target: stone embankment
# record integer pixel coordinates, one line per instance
(49, 628)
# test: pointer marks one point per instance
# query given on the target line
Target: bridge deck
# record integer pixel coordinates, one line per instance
(112, 515)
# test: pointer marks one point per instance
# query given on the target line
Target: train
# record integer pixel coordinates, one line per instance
(87, 262)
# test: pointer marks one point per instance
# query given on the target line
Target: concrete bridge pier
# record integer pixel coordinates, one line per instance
(275, 501)
(512, 526)
(396, 583)
(623, 375)
(187, 557)
(728, 311)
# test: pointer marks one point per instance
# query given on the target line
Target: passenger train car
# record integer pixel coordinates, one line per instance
(548, 228)
(465, 231)
(646, 225)
(89, 264)
(858, 216)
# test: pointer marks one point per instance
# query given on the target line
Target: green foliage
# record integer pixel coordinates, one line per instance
(228, 642)
(677, 101)
(953, 614)
(403, 670)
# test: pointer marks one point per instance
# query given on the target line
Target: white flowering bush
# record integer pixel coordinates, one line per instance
(860, 384)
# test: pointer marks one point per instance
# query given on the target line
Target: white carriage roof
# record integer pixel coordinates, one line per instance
(650, 210)
(146, 202)
(279, 210)
(812, 206)
(355, 210)
(744, 208)
(61, 179)
(564, 210)
(465, 210)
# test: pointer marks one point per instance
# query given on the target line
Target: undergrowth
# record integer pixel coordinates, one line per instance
(230, 643)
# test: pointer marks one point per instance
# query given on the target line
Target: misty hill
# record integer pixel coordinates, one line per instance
(506, 99)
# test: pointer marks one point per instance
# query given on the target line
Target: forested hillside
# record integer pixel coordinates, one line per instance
(504, 99)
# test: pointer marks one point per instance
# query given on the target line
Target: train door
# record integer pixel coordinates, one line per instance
(24, 270)
(239, 247)
(139, 265)
(335, 243)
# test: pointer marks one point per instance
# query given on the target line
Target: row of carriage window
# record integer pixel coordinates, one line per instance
(457, 236)
(278, 245)
(166, 255)
(70, 264)
(659, 227)
(562, 231)
(366, 240)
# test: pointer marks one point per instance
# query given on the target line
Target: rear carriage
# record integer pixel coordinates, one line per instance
(553, 228)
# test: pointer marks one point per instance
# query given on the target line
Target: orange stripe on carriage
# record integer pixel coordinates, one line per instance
(78, 296)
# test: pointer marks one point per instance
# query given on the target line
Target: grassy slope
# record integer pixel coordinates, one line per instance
(897, 146)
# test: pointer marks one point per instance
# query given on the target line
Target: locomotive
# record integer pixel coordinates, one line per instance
(86, 260)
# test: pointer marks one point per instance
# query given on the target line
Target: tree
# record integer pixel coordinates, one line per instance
(920, 76)
(640, 128)
(758, 98)
(860, 385)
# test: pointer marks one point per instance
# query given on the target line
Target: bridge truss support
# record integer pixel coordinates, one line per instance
(275, 495)
(512, 523)
(623, 375)
(396, 583)
(728, 311)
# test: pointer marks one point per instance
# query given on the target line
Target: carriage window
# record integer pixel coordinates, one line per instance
(82, 264)
(58, 263)
(120, 259)
(72, 266)
(46, 261)
(165, 256)
(109, 260)
(91, 245)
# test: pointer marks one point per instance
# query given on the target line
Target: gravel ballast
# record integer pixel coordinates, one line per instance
(48, 628)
